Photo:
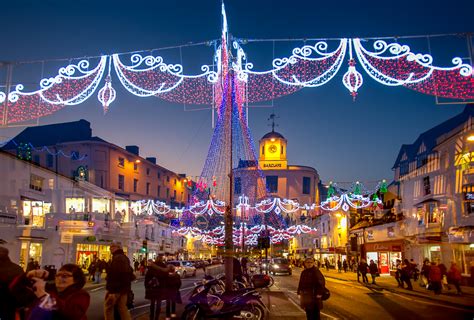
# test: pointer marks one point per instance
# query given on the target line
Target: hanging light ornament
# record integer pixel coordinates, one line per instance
(352, 79)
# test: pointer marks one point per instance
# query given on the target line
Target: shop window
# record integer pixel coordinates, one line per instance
(74, 205)
(36, 182)
(121, 162)
(100, 205)
(272, 184)
(306, 185)
(36, 252)
(135, 185)
(426, 186)
(121, 182)
(121, 207)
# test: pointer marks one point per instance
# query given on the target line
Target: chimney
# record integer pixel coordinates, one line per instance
(151, 159)
(133, 149)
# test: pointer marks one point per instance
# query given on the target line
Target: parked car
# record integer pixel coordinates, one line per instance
(279, 266)
(183, 268)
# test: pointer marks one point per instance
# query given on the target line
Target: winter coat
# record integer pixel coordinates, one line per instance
(119, 273)
(363, 267)
(454, 274)
(373, 268)
(172, 286)
(10, 293)
(312, 283)
(425, 270)
(155, 283)
(435, 274)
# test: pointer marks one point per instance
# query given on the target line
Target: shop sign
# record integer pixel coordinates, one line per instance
(201, 222)
(468, 196)
(67, 237)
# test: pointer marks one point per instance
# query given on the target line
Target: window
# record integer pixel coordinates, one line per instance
(390, 232)
(272, 184)
(238, 185)
(167, 178)
(175, 181)
(167, 193)
(121, 182)
(306, 185)
(421, 160)
(158, 174)
(34, 213)
(147, 188)
(433, 213)
(324, 227)
(158, 191)
(147, 171)
(36, 182)
(121, 162)
(49, 161)
(426, 185)
(174, 194)
(404, 168)
(135, 166)
(135, 185)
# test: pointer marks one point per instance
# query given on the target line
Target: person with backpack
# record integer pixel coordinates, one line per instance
(155, 285)
(311, 289)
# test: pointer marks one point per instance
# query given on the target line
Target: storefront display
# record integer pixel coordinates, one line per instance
(384, 254)
(34, 212)
(74, 205)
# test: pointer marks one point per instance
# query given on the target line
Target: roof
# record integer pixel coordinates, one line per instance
(53, 134)
(430, 137)
(273, 134)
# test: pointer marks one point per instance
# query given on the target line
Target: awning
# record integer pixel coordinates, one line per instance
(426, 201)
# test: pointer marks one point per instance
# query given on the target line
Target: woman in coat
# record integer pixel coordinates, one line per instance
(67, 299)
(311, 289)
(155, 282)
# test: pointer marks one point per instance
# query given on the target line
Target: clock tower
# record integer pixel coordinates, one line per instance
(272, 152)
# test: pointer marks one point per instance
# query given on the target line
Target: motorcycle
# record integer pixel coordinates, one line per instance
(206, 303)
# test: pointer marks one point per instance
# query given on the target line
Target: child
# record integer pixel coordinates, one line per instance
(173, 295)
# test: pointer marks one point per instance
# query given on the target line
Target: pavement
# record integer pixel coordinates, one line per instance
(386, 282)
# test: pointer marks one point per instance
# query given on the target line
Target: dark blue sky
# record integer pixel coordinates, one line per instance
(343, 140)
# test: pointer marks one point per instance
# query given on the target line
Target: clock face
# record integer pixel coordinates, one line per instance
(272, 148)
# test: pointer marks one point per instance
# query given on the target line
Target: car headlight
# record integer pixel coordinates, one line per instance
(275, 266)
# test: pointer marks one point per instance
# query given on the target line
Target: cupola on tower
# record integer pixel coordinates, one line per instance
(272, 151)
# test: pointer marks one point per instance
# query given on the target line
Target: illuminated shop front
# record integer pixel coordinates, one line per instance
(34, 212)
(100, 205)
(30, 250)
(85, 253)
(122, 212)
(385, 254)
(74, 205)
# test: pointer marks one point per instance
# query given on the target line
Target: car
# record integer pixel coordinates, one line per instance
(279, 266)
(183, 268)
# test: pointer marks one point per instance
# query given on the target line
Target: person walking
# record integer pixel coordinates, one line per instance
(454, 277)
(310, 289)
(373, 270)
(101, 266)
(435, 278)
(118, 284)
(425, 273)
(172, 293)
(67, 298)
(92, 269)
(398, 273)
(406, 274)
(344, 265)
(326, 263)
(363, 266)
(339, 266)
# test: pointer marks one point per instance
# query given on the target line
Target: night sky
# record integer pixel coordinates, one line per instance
(325, 129)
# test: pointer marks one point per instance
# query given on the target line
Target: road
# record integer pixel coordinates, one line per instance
(349, 300)
(355, 301)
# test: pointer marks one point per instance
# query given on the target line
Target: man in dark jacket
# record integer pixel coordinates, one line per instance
(119, 283)
(9, 271)
(311, 289)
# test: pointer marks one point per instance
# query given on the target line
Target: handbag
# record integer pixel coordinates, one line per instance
(326, 294)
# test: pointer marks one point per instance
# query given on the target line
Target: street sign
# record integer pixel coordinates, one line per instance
(67, 237)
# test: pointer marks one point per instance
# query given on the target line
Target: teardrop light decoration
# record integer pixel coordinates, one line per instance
(107, 94)
(352, 79)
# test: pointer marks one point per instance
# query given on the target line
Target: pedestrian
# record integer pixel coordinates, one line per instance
(310, 289)
(425, 273)
(173, 295)
(416, 271)
(118, 284)
(398, 273)
(92, 269)
(65, 299)
(10, 276)
(435, 278)
(406, 274)
(135, 265)
(31, 265)
(339, 266)
(454, 277)
(363, 266)
(344, 265)
(444, 274)
(101, 266)
(374, 270)
(155, 285)
(326, 263)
